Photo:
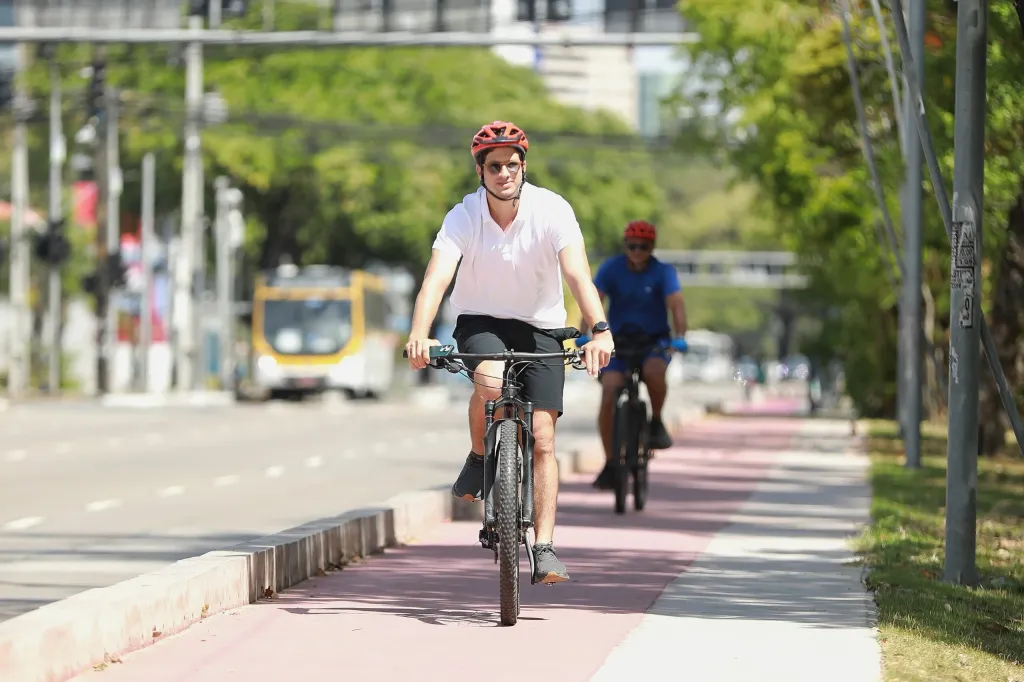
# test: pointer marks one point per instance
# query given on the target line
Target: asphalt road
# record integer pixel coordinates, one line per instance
(93, 496)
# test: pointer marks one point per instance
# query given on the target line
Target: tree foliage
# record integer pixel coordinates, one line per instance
(779, 66)
(356, 154)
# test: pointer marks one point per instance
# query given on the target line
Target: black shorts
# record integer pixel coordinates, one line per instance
(543, 380)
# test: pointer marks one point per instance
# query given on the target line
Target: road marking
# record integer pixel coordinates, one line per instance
(114, 440)
(379, 447)
(349, 454)
(408, 442)
(63, 448)
(23, 523)
(224, 481)
(274, 471)
(314, 462)
(101, 505)
(15, 455)
(171, 491)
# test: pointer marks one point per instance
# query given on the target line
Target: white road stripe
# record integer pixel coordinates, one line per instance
(314, 462)
(63, 448)
(101, 505)
(171, 491)
(274, 471)
(224, 481)
(15, 455)
(23, 523)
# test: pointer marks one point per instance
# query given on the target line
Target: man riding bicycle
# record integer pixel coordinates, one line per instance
(640, 290)
(512, 243)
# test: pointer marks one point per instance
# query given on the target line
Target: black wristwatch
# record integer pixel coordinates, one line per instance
(598, 328)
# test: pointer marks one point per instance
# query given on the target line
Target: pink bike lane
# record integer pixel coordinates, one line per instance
(429, 610)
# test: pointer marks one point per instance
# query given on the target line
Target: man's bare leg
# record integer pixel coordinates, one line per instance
(486, 386)
(545, 497)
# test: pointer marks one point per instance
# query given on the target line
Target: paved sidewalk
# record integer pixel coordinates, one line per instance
(733, 572)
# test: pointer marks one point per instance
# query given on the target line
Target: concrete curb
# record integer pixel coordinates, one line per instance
(62, 639)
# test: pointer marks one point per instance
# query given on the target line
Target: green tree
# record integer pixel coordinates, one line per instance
(782, 66)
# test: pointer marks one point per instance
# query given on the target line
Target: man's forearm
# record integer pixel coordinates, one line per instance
(423, 313)
(589, 301)
(679, 318)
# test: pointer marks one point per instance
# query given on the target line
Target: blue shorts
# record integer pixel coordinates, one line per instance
(617, 364)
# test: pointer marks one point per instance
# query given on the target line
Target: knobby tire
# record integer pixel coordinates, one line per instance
(640, 481)
(620, 454)
(508, 514)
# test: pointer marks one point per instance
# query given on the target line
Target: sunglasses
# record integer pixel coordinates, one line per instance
(513, 167)
(638, 246)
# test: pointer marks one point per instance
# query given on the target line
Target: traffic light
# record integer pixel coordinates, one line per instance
(97, 89)
(6, 88)
(229, 9)
(117, 273)
(52, 247)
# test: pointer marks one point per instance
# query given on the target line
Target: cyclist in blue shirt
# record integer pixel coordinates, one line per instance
(641, 290)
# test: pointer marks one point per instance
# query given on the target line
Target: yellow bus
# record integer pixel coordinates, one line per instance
(320, 328)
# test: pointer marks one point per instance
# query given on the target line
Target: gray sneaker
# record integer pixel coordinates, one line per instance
(547, 568)
(469, 486)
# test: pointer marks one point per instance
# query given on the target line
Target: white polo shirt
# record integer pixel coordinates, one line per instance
(512, 274)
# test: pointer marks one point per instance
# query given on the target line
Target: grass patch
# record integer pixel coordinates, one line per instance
(931, 630)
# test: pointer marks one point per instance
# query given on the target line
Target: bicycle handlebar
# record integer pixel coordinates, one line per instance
(448, 352)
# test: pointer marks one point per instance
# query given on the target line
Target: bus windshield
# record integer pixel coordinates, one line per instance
(312, 326)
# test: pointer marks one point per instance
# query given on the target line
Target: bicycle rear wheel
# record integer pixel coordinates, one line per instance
(640, 472)
(620, 454)
(508, 515)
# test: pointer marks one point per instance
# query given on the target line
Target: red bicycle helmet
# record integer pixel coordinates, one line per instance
(641, 229)
(500, 134)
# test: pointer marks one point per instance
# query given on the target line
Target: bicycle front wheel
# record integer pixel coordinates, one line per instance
(508, 515)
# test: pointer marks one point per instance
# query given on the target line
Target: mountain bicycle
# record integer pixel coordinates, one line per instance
(508, 463)
(631, 422)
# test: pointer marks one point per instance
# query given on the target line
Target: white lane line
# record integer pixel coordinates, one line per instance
(274, 471)
(171, 491)
(23, 523)
(349, 454)
(63, 448)
(314, 462)
(380, 447)
(101, 505)
(15, 455)
(224, 481)
(114, 440)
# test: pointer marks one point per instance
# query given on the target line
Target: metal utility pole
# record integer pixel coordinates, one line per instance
(965, 291)
(113, 231)
(225, 299)
(58, 152)
(184, 279)
(148, 242)
(18, 374)
(912, 308)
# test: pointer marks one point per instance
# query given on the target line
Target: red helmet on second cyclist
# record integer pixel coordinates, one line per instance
(640, 229)
(499, 134)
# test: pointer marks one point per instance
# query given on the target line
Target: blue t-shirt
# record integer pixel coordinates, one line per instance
(637, 298)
